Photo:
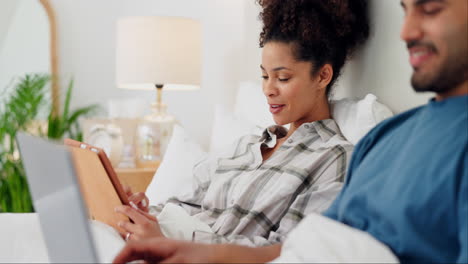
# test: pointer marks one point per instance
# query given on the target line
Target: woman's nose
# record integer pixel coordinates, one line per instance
(269, 89)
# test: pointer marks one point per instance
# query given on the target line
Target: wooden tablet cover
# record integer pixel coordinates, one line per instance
(107, 166)
(97, 189)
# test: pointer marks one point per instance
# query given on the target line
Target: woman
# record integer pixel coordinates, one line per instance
(260, 189)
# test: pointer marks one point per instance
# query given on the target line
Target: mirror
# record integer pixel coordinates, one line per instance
(27, 42)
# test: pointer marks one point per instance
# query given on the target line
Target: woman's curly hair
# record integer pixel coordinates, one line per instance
(322, 31)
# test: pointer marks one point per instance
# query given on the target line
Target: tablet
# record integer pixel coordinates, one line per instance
(60, 177)
(105, 163)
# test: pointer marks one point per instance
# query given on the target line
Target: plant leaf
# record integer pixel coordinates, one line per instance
(67, 100)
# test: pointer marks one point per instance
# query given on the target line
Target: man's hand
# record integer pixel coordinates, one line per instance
(144, 225)
(163, 250)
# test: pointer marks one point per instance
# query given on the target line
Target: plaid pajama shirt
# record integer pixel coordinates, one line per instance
(253, 202)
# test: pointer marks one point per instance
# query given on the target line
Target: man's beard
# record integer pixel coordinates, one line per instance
(452, 72)
(451, 75)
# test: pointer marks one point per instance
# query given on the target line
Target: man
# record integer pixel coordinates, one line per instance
(407, 184)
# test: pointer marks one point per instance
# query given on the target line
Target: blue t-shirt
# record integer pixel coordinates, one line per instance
(407, 184)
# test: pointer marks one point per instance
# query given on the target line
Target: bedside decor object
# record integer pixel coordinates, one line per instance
(156, 53)
(109, 138)
(152, 136)
(99, 130)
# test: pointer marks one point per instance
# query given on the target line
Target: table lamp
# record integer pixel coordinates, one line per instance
(157, 53)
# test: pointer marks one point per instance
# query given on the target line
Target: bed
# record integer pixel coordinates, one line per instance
(21, 239)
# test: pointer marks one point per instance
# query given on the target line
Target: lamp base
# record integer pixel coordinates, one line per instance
(152, 136)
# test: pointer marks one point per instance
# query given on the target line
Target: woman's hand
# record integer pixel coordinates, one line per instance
(138, 199)
(144, 225)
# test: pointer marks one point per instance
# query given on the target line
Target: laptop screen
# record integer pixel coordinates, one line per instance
(57, 200)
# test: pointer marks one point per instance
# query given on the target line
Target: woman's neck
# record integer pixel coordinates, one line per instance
(321, 112)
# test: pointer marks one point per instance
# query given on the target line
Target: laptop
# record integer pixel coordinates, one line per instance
(57, 199)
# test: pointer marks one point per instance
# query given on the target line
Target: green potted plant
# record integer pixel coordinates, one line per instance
(19, 112)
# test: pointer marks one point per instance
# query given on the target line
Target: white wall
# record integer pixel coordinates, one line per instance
(252, 52)
(24, 40)
(382, 66)
(7, 12)
(231, 54)
(87, 52)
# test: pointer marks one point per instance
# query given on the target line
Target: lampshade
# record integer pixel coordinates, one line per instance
(158, 50)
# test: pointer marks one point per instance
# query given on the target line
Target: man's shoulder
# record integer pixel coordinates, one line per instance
(393, 123)
(402, 117)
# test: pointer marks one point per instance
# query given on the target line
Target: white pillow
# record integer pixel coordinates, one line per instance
(356, 117)
(251, 105)
(174, 175)
(227, 127)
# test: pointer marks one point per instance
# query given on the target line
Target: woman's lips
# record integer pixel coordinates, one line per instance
(276, 108)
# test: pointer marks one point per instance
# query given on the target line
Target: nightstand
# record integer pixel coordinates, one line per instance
(137, 179)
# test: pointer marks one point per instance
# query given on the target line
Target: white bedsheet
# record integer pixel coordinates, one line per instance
(318, 239)
(21, 240)
(176, 223)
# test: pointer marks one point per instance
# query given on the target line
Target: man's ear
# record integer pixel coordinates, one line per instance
(325, 76)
